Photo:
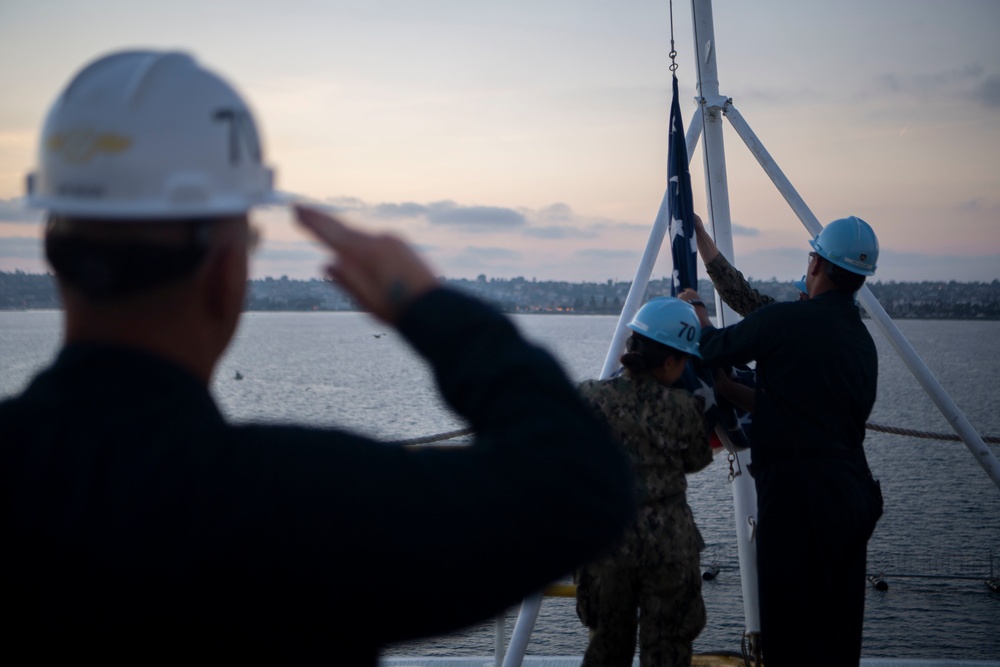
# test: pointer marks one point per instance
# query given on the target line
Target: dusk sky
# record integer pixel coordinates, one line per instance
(528, 138)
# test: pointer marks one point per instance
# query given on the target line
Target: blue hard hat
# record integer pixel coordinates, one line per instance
(800, 285)
(849, 243)
(670, 321)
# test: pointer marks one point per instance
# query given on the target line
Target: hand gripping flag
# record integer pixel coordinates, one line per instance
(684, 248)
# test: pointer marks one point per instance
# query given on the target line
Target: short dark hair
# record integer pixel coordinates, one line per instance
(844, 280)
(108, 259)
(644, 354)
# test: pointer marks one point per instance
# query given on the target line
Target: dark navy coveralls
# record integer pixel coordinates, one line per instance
(817, 504)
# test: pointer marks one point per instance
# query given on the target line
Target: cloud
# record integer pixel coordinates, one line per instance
(623, 227)
(987, 92)
(559, 221)
(918, 267)
(603, 254)
(475, 259)
(405, 210)
(445, 213)
(555, 213)
(15, 210)
(970, 81)
(930, 81)
(474, 217)
(564, 232)
(491, 254)
(278, 251)
(342, 204)
(20, 247)
(978, 205)
(740, 230)
(785, 97)
(556, 221)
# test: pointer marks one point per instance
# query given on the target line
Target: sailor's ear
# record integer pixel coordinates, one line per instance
(224, 282)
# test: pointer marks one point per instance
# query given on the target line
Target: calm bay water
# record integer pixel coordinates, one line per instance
(942, 518)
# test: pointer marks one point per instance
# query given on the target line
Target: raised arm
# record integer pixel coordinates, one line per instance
(734, 289)
(706, 244)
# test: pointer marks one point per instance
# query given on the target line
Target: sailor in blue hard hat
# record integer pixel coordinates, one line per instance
(817, 502)
(665, 333)
(850, 248)
(670, 321)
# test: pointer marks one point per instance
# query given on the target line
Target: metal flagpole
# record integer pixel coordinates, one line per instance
(712, 106)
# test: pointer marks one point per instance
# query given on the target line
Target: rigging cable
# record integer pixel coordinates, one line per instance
(673, 51)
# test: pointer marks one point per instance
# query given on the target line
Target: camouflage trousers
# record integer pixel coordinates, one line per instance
(663, 602)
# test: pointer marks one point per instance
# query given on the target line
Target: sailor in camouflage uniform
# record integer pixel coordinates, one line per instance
(734, 289)
(655, 568)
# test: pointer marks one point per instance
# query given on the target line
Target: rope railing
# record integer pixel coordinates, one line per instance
(428, 439)
(880, 428)
(927, 435)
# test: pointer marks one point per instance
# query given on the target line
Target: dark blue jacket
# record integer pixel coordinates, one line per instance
(817, 371)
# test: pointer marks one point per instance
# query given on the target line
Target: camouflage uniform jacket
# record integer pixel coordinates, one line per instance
(662, 431)
(734, 289)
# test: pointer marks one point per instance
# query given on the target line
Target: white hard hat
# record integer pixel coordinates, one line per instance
(670, 321)
(146, 134)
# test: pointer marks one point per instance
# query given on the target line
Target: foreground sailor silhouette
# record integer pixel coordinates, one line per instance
(139, 525)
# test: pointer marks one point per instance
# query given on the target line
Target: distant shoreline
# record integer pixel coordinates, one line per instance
(912, 301)
(540, 313)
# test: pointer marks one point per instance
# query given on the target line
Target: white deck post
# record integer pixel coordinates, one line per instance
(522, 630)
(500, 639)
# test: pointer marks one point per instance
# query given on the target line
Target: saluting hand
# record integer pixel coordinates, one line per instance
(381, 271)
